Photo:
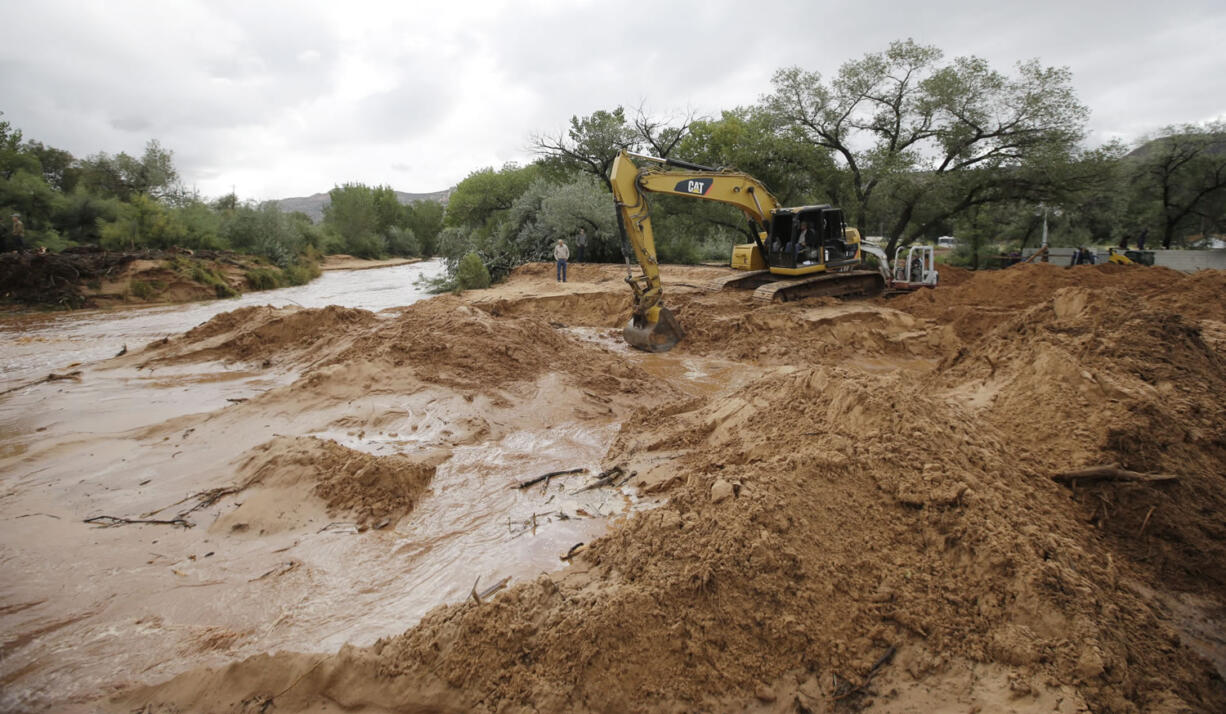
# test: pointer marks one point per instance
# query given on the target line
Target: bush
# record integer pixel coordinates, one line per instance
(263, 278)
(144, 290)
(301, 273)
(471, 273)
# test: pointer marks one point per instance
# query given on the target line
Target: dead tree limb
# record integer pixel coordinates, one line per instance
(551, 474)
(1110, 472)
(110, 521)
(604, 479)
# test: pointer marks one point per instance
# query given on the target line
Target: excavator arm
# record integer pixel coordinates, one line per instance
(652, 326)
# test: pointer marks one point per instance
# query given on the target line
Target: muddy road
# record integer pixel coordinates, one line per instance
(827, 505)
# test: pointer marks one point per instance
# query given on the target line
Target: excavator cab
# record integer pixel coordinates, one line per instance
(809, 239)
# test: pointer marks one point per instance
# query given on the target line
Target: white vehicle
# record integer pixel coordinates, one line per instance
(947, 242)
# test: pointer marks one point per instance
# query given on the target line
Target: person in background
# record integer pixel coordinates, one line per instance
(580, 245)
(1141, 239)
(561, 254)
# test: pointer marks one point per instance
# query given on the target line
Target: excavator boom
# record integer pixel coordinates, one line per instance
(652, 326)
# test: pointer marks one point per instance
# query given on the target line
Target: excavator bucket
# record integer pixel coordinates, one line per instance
(660, 336)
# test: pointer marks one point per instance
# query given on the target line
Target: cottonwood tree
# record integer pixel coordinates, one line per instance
(592, 142)
(1179, 179)
(923, 141)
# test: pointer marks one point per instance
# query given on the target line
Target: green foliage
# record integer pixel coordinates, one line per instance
(1177, 183)
(196, 271)
(425, 220)
(481, 199)
(590, 144)
(145, 290)
(372, 223)
(302, 272)
(919, 143)
(471, 274)
(263, 278)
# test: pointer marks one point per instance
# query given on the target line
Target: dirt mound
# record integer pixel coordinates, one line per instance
(447, 342)
(951, 275)
(1198, 297)
(814, 528)
(977, 305)
(826, 330)
(1093, 377)
(283, 481)
(252, 334)
(824, 523)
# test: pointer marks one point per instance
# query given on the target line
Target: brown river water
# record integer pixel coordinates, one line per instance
(85, 610)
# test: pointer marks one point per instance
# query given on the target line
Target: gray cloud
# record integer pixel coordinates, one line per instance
(290, 98)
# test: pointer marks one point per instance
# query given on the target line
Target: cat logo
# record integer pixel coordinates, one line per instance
(695, 187)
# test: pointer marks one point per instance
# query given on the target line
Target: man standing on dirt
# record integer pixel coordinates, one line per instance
(580, 245)
(561, 254)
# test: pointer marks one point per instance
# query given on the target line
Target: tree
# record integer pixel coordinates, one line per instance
(923, 142)
(486, 193)
(1179, 179)
(425, 220)
(350, 215)
(590, 145)
(592, 142)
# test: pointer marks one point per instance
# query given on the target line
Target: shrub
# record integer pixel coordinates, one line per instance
(471, 273)
(301, 273)
(144, 290)
(263, 278)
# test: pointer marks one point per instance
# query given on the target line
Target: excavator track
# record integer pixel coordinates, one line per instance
(858, 282)
(740, 281)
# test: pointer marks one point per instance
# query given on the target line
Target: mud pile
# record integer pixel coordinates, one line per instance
(373, 491)
(731, 326)
(975, 306)
(835, 538)
(256, 334)
(1094, 377)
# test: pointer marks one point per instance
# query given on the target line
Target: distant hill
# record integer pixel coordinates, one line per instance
(1216, 146)
(313, 205)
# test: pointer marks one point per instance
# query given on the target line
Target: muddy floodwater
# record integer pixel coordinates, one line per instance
(86, 608)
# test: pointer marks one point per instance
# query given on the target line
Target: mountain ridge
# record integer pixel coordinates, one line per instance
(314, 204)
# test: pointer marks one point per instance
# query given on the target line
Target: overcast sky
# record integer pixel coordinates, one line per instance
(291, 98)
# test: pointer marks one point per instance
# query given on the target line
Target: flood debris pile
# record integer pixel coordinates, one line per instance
(834, 538)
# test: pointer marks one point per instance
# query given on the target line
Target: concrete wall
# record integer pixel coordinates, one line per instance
(1188, 261)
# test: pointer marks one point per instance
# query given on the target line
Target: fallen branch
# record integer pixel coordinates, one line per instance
(1111, 472)
(208, 498)
(551, 474)
(111, 521)
(281, 569)
(604, 479)
(846, 690)
(53, 377)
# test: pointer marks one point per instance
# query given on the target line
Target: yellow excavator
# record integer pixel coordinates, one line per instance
(796, 252)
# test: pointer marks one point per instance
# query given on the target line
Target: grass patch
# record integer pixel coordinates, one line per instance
(263, 278)
(145, 290)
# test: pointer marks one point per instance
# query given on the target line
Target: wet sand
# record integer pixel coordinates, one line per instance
(806, 486)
